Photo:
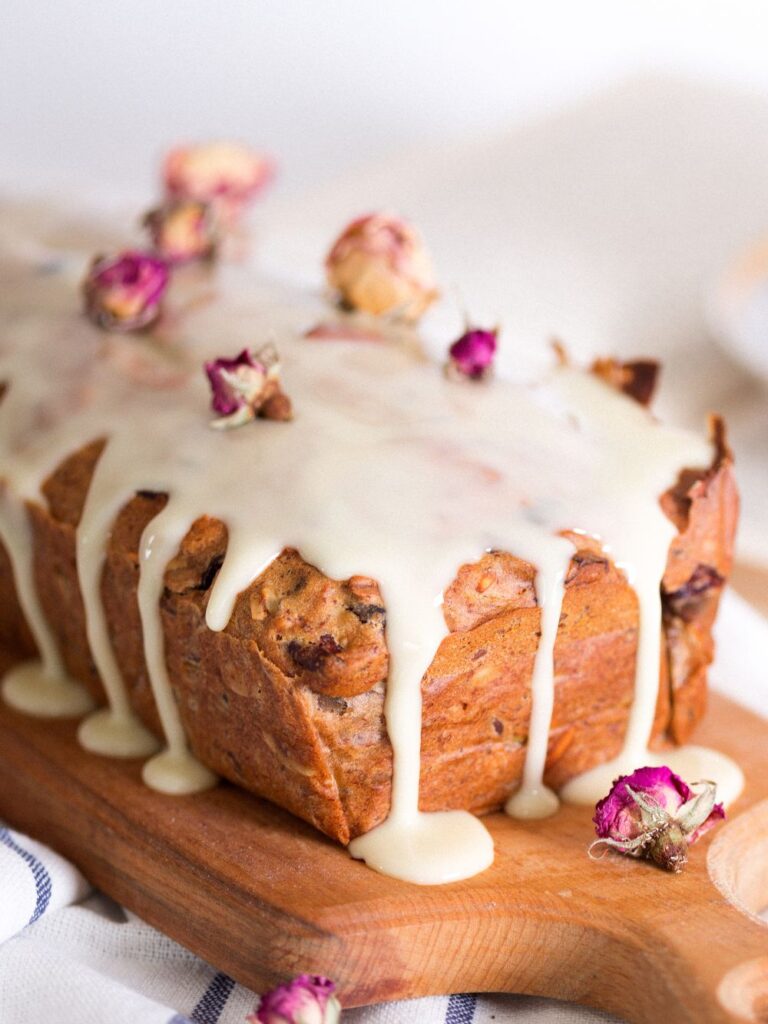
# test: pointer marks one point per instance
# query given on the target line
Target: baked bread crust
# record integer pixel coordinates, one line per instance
(288, 701)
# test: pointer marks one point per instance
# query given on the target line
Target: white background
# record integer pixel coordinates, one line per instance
(96, 91)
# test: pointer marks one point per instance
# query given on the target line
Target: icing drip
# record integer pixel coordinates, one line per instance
(114, 731)
(534, 799)
(174, 770)
(388, 470)
(589, 787)
(426, 848)
(39, 687)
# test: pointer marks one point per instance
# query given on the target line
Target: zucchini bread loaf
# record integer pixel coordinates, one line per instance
(407, 583)
(288, 700)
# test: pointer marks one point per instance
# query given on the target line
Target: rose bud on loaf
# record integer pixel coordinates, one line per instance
(379, 264)
(124, 292)
(228, 175)
(245, 387)
(472, 354)
(182, 230)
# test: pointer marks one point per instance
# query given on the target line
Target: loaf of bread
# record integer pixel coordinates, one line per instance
(288, 700)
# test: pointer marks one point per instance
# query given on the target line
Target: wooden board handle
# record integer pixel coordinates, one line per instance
(264, 897)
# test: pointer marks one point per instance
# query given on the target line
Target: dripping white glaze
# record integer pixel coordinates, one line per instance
(424, 848)
(41, 686)
(115, 730)
(534, 799)
(388, 470)
(174, 770)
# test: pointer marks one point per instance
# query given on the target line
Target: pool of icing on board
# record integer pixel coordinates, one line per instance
(388, 470)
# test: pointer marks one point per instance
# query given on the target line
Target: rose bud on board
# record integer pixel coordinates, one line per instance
(654, 814)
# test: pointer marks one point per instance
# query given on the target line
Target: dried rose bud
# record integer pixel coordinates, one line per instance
(653, 813)
(473, 353)
(245, 387)
(308, 999)
(182, 230)
(379, 264)
(124, 292)
(227, 175)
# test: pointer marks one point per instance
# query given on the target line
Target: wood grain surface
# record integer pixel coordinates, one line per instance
(262, 896)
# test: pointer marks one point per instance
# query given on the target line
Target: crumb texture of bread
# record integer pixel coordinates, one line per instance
(288, 700)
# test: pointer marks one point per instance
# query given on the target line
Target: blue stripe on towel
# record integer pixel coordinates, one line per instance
(213, 1000)
(39, 873)
(179, 1018)
(461, 1009)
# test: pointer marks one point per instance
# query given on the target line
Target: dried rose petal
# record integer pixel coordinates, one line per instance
(124, 292)
(379, 264)
(247, 386)
(182, 230)
(308, 999)
(227, 175)
(653, 813)
(473, 353)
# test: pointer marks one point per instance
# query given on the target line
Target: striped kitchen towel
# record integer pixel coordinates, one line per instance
(70, 955)
(33, 880)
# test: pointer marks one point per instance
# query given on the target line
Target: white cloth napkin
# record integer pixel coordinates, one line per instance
(33, 881)
(72, 956)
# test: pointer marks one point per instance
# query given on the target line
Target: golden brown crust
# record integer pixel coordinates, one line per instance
(288, 701)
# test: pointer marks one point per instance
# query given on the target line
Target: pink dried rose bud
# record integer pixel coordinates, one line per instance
(473, 353)
(125, 292)
(182, 230)
(654, 814)
(308, 999)
(379, 264)
(228, 175)
(246, 387)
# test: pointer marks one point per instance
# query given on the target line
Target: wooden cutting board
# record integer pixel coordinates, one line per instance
(263, 897)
